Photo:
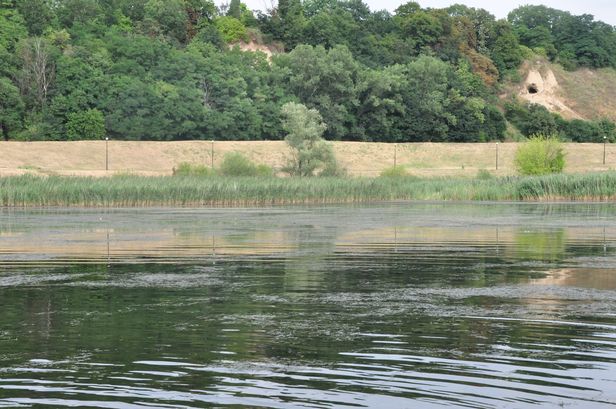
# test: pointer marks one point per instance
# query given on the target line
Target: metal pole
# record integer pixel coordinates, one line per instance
(212, 154)
(106, 153)
(604, 141)
(496, 155)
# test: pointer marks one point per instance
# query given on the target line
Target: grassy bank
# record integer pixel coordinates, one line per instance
(368, 159)
(132, 191)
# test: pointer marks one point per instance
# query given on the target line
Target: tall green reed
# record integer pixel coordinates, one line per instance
(191, 190)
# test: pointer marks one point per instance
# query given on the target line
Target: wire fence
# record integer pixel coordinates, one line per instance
(359, 159)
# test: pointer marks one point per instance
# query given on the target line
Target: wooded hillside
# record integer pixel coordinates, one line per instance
(171, 70)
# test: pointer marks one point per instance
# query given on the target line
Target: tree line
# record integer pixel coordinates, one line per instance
(170, 70)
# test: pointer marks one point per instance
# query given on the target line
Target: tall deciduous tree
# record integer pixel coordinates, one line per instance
(167, 16)
(310, 152)
(326, 80)
(38, 70)
(198, 11)
(78, 11)
(423, 27)
(12, 27)
(38, 15)
(235, 9)
(427, 116)
(11, 108)
(291, 15)
(506, 52)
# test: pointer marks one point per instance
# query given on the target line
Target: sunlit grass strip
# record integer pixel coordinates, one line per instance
(137, 191)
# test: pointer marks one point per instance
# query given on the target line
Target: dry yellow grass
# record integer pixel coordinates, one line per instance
(87, 158)
(589, 92)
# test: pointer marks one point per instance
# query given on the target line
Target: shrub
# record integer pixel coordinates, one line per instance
(541, 155)
(484, 174)
(395, 172)
(236, 164)
(187, 169)
(265, 171)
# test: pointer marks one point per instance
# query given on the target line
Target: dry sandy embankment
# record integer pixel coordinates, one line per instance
(87, 158)
(581, 94)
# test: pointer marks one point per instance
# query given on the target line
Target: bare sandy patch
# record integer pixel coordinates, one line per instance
(541, 87)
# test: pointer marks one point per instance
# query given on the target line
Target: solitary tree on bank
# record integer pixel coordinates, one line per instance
(311, 154)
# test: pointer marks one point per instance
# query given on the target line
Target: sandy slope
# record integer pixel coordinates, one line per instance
(366, 159)
(546, 92)
(581, 94)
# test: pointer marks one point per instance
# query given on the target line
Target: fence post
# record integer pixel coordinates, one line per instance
(604, 142)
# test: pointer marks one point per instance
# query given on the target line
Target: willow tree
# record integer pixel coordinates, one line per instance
(311, 154)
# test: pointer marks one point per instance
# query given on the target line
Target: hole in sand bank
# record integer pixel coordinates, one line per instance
(533, 89)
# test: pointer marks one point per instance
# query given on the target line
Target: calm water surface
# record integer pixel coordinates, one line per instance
(383, 306)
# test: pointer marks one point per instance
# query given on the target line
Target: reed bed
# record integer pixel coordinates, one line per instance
(138, 191)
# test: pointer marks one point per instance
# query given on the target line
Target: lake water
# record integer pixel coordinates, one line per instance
(382, 306)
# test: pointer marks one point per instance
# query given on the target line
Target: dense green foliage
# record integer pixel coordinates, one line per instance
(533, 119)
(11, 108)
(88, 124)
(127, 191)
(169, 69)
(571, 40)
(540, 155)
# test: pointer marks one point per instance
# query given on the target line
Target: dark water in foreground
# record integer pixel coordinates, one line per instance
(392, 306)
